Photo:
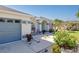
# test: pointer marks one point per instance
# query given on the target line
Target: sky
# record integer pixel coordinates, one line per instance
(62, 12)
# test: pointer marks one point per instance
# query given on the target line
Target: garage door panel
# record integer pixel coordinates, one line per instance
(7, 39)
(10, 32)
(9, 27)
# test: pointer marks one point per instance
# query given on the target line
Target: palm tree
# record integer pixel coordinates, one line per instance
(77, 14)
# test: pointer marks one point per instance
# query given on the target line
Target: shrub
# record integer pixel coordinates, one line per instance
(60, 37)
(63, 39)
(71, 42)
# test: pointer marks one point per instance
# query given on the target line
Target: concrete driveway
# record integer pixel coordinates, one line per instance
(23, 47)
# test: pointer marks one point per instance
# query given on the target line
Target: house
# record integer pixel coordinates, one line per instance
(13, 24)
(41, 23)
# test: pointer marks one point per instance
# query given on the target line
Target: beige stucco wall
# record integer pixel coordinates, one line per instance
(26, 29)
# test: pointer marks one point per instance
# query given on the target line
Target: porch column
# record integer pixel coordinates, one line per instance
(48, 27)
(40, 27)
(36, 27)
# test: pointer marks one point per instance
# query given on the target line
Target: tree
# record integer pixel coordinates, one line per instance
(69, 25)
(77, 14)
(57, 23)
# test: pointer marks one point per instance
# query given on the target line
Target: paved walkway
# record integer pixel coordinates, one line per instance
(23, 47)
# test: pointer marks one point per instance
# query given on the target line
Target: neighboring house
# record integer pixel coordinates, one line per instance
(13, 24)
(40, 24)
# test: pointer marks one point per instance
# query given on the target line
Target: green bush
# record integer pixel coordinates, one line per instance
(71, 42)
(60, 37)
(63, 39)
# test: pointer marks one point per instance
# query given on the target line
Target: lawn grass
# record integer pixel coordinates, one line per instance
(75, 33)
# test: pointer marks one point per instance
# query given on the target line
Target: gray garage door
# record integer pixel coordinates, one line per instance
(10, 31)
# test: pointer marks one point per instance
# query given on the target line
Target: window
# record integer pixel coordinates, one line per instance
(24, 22)
(17, 21)
(29, 22)
(2, 20)
(10, 21)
